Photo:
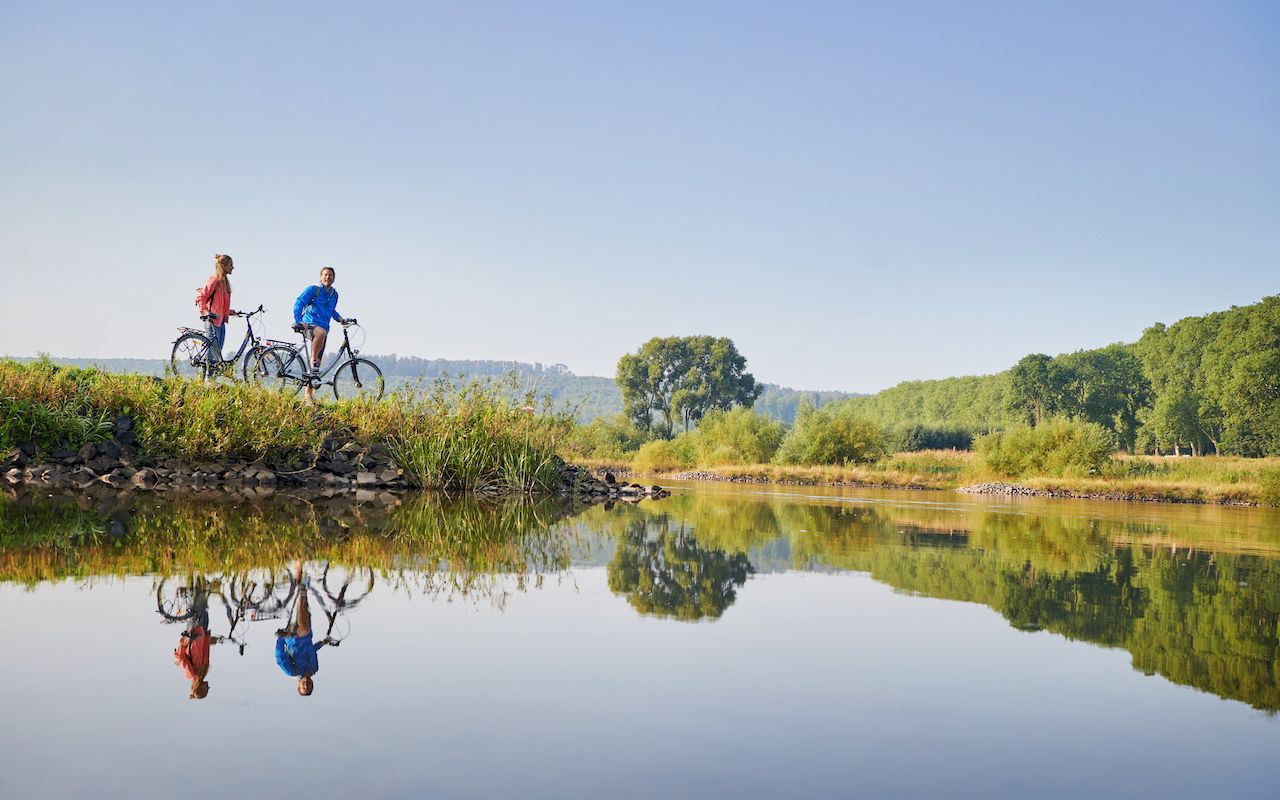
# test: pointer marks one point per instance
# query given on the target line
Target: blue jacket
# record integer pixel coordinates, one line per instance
(296, 655)
(316, 307)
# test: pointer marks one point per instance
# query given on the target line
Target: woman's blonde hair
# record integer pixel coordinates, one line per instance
(220, 264)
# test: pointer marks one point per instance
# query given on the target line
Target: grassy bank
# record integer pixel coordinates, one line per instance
(444, 436)
(1205, 479)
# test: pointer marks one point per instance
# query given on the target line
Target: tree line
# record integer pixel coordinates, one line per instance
(1203, 384)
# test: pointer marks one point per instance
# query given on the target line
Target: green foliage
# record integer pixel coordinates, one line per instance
(1269, 485)
(736, 436)
(611, 438)
(1058, 446)
(831, 435)
(665, 455)
(682, 378)
(910, 438)
(977, 404)
(1216, 381)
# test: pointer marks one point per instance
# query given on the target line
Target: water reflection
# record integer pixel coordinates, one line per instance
(662, 570)
(1194, 598)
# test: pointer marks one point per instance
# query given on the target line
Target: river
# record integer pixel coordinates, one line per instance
(727, 641)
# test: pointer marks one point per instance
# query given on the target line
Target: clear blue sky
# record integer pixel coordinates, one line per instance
(856, 193)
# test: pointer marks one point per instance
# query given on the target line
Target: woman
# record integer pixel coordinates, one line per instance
(214, 299)
(315, 307)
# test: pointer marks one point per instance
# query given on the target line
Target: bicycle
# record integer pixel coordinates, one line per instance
(196, 355)
(286, 367)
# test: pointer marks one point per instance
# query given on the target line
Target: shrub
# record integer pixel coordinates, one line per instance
(736, 436)
(1058, 447)
(664, 455)
(1269, 484)
(614, 438)
(831, 435)
(912, 438)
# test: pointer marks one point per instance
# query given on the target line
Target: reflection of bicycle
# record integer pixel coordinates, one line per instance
(243, 600)
(197, 355)
(177, 602)
(338, 591)
(286, 367)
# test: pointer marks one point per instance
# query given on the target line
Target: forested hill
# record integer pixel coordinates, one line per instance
(1207, 384)
(589, 396)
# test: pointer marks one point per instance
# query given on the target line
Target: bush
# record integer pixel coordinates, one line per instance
(1058, 447)
(831, 435)
(911, 438)
(1269, 483)
(614, 438)
(737, 436)
(664, 455)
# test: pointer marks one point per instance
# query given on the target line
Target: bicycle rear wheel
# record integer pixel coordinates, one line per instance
(358, 378)
(175, 601)
(190, 357)
(279, 368)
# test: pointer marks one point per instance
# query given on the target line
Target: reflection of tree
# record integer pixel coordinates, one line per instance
(1100, 605)
(669, 574)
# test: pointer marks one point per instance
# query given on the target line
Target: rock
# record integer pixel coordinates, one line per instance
(608, 478)
(123, 424)
(388, 475)
(364, 478)
(63, 454)
(88, 452)
(14, 458)
(116, 478)
(144, 478)
(109, 449)
(28, 449)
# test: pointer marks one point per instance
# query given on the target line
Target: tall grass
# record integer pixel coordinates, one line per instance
(450, 436)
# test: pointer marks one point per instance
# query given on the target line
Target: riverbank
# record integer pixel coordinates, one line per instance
(1210, 480)
(70, 428)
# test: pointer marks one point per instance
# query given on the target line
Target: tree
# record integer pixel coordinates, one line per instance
(1035, 387)
(682, 378)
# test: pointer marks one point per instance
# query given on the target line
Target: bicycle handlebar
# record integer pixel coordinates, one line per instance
(234, 313)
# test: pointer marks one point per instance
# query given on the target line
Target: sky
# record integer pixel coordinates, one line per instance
(856, 193)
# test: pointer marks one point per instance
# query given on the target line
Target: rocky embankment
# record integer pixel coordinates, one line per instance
(578, 482)
(1018, 490)
(341, 465)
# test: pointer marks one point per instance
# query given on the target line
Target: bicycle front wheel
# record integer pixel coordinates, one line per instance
(279, 368)
(190, 357)
(358, 378)
(250, 359)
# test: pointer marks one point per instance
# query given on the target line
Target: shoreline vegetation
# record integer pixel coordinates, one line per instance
(1210, 480)
(477, 437)
(74, 428)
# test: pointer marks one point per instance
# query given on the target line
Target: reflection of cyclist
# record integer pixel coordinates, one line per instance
(317, 306)
(192, 653)
(295, 649)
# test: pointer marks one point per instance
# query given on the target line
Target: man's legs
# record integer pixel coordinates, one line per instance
(318, 336)
(304, 612)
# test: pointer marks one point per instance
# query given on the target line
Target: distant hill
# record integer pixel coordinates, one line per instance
(588, 396)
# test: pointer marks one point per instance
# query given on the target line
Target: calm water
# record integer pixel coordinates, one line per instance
(723, 642)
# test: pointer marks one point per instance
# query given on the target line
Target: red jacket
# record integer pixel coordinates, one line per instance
(214, 298)
(193, 654)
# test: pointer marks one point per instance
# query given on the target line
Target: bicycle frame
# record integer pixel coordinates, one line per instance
(304, 352)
